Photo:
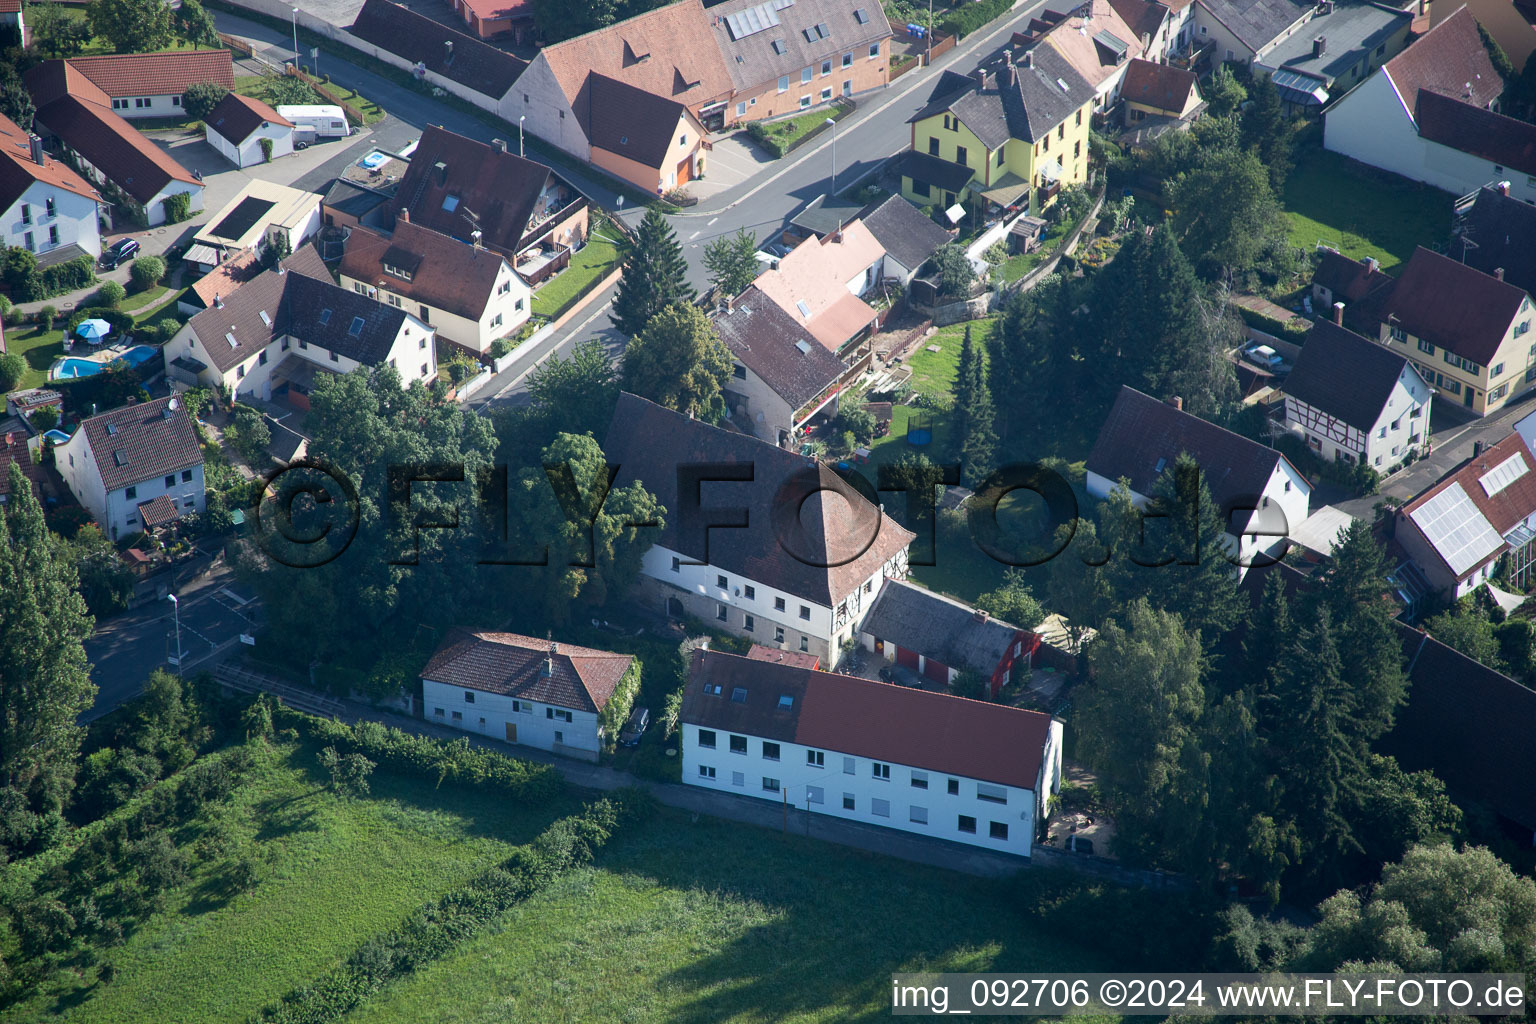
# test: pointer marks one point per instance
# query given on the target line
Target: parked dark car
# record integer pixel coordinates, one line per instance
(633, 729)
(117, 252)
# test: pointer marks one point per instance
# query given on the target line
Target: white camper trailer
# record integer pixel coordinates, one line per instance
(328, 120)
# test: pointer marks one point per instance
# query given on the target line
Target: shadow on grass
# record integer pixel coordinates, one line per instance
(67, 1001)
(213, 893)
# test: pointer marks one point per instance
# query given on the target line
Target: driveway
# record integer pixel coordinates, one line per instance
(734, 159)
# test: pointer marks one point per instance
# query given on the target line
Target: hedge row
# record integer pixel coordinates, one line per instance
(439, 760)
(436, 928)
(1292, 330)
(967, 18)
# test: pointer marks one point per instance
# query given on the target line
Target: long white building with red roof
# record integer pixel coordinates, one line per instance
(877, 753)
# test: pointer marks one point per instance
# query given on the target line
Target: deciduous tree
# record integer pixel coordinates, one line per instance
(732, 262)
(680, 362)
(132, 26)
(199, 98)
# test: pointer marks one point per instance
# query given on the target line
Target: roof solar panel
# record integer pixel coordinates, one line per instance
(1502, 475)
(1456, 528)
(752, 20)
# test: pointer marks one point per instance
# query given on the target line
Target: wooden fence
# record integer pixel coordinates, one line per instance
(331, 94)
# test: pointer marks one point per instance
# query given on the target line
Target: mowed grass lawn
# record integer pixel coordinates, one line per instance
(596, 259)
(333, 874)
(39, 348)
(1361, 211)
(933, 373)
(713, 922)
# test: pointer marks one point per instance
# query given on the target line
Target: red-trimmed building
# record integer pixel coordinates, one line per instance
(938, 637)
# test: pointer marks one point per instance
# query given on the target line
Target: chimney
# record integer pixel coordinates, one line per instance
(442, 172)
(1029, 59)
(981, 615)
(1177, 403)
(549, 660)
(500, 144)
(218, 301)
(405, 214)
(1372, 264)
(980, 74)
(1010, 75)
(35, 148)
(1498, 273)
(1319, 46)
(1504, 188)
(447, 51)
(1477, 449)
(1338, 313)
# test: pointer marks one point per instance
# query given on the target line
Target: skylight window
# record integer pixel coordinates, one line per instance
(739, 695)
(786, 702)
(450, 203)
(823, 31)
(1160, 464)
(229, 337)
(120, 457)
(778, 47)
(804, 308)
(356, 330)
(266, 319)
(713, 689)
(861, 16)
(325, 317)
(111, 428)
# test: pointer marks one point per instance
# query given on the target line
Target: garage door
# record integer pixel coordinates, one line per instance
(936, 670)
(907, 658)
(685, 171)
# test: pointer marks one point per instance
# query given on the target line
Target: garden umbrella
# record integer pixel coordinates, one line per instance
(93, 330)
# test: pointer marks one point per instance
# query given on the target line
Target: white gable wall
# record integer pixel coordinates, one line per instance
(74, 217)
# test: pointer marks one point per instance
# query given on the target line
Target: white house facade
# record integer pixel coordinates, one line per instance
(758, 729)
(48, 217)
(512, 719)
(118, 461)
(248, 151)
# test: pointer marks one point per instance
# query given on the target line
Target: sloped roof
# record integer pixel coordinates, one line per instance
(903, 725)
(14, 448)
(834, 525)
(1159, 85)
(773, 345)
(1513, 500)
(1502, 233)
(1142, 437)
(454, 55)
(142, 441)
(1482, 133)
(156, 74)
(1344, 375)
(1350, 281)
(1038, 102)
(1144, 17)
(816, 272)
(18, 171)
(939, 627)
(1469, 725)
(583, 678)
(1446, 59)
(761, 56)
(1452, 305)
(306, 307)
(779, 656)
(1256, 23)
(629, 121)
(1076, 37)
(447, 273)
(906, 235)
(501, 189)
(223, 279)
(931, 170)
(236, 117)
(494, 10)
(158, 511)
(68, 104)
(659, 51)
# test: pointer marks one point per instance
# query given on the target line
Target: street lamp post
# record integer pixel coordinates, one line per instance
(295, 39)
(834, 154)
(929, 34)
(520, 121)
(177, 606)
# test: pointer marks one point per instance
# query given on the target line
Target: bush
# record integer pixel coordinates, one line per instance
(266, 149)
(122, 323)
(146, 272)
(111, 294)
(69, 275)
(251, 435)
(12, 369)
(177, 207)
(967, 18)
(500, 347)
(45, 418)
(1293, 330)
(199, 98)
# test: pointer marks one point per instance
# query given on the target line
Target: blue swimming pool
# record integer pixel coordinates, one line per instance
(56, 436)
(372, 160)
(71, 367)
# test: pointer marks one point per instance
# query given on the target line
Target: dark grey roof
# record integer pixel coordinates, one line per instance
(1344, 375)
(984, 112)
(352, 199)
(629, 121)
(1256, 23)
(142, 441)
(796, 539)
(908, 237)
(826, 214)
(949, 85)
(1350, 33)
(1043, 94)
(457, 57)
(1142, 437)
(939, 628)
(295, 304)
(757, 51)
(772, 344)
(1498, 231)
(949, 176)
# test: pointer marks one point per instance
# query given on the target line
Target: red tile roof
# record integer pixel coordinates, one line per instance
(775, 656)
(1446, 59)
(18, 170)
(141, 441)
(156, 74)
(1158, 85)
(10, 6)
(508, 663)
(1452, 305)
(931, 731)
(1498, 139)
(13, 448)
(458, 57)
(660, 51)
(494, 10)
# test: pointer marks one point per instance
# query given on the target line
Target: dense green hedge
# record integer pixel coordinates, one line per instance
(967, 18)
(1287, 330)
(436, 928)
(435, 759)
(121, 322)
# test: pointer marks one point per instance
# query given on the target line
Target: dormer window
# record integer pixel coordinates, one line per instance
(400, 272)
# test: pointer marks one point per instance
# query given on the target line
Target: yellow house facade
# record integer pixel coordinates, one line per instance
(1012, 138)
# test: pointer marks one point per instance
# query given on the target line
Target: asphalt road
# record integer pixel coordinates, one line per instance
(125, 649)
(761, 204)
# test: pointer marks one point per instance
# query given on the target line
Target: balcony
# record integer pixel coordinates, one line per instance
(542, 262)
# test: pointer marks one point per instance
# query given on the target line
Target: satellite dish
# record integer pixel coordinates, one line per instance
(955, 213)
(172, 405)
